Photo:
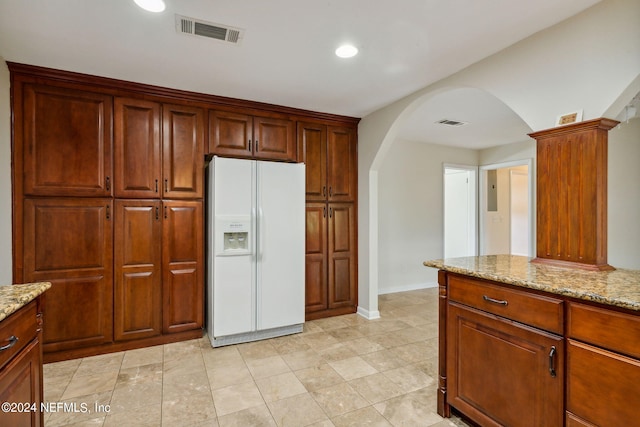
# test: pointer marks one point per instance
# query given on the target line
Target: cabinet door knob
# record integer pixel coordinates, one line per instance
(12, 341)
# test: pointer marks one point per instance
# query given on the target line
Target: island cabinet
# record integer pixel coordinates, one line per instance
(504, 354)
(21, 366)
(244, 135)
(603, 366)
(330, 156)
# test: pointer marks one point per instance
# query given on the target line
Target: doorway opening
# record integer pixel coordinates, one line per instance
(460, 211)
(506, 209)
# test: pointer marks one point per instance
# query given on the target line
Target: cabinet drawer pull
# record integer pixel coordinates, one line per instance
(495, 301)
(324, 215)
(249, 145)
(166, 185)
(156, 185)
(107, 183)
(12, 341)
(256, 147)
(324, 191)
(552, 354)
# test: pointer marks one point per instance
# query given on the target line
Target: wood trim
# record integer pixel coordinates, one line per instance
(121, 346)
(120, 87)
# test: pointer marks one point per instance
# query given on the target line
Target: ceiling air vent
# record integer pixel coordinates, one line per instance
(451, 122)
(196, 27)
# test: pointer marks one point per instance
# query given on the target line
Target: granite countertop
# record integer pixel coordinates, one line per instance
(619, 287)
(12, 298)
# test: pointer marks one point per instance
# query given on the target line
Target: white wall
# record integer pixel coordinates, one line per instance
(410, 215)
(586, 62)
(624, 196)
(6, 271)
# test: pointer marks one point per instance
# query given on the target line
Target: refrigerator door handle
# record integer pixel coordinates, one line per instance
(261, 228)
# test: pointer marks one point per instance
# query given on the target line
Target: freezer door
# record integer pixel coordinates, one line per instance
(232, 299)
(280, 244)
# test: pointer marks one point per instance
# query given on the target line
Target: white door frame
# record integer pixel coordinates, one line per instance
(473, 203)
(482, 195)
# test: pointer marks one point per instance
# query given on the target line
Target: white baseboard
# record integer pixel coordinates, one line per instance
(405, 288)
(369, 315)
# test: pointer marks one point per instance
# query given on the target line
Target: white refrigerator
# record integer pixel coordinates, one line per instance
(256, 250)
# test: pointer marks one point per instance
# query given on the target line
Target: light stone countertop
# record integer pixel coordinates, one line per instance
(619, 287)
(12, 298)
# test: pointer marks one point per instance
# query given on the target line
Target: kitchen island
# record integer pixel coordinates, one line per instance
(524, 344)
(21, 392)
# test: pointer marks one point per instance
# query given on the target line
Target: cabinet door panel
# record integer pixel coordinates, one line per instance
(316, 257)
(498, 371)
(602, 387)
(69, 242)
(21, 382)
(342, 254)
(342, 164)
(274, 139)
(138, 293)
(137, 148)
(182, 266)
(67, 142)
(312, 149)
(183, 152)
(230, 134)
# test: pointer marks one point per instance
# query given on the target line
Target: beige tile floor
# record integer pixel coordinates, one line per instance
(341, 371)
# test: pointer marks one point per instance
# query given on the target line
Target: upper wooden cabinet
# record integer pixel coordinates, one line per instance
(182, 152)
(144, 168)
(330, 155)
(137, 148)
(242, 135)
(66, 141)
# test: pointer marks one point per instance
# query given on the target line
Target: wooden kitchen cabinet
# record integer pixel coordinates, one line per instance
(182, 152)
(330, 155)
(66, 141)
(137, 269)
(69, 242)
(501, 372)
(244, 135)
(182, 265)
(137, 148)
(603, 367)
(144, 167)
(330, 259)
(571, 212)
(21, 365)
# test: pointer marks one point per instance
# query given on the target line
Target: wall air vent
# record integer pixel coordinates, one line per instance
(196, 27)
(451, 122)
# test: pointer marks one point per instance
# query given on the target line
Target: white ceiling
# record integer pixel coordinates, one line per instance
(286, 56)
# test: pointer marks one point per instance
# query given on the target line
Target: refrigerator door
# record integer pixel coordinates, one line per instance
(232, 299)
(280, 244)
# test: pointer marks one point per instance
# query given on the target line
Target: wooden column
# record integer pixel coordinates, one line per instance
(572, 195)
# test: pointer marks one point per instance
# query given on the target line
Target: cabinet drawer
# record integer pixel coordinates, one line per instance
(528, 308)
(602, 387)
(21, 325)
(605, 328)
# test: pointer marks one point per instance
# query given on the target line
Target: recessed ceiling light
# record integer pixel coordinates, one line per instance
(346, 51)
(151, 5)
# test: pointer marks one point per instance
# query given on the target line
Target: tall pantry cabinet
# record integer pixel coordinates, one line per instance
(108, 207)
(330, 155)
